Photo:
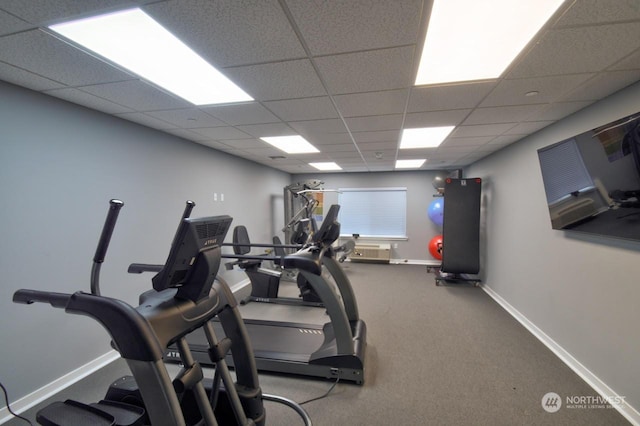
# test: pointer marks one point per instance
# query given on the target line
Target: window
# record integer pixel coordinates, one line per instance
(373, 212)
(563, 171)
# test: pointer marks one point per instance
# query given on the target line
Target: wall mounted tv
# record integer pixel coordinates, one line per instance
(592, 180)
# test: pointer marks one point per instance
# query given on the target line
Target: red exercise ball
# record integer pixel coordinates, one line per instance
(435, 247)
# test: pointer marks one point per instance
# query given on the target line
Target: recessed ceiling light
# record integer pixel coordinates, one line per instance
(136, 42)
(532, 93)
(326, 166)
(476, 40)
(426, 137)
(410, 164)
(291, 144)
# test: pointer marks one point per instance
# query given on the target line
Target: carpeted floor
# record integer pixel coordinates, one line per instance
(435, 356)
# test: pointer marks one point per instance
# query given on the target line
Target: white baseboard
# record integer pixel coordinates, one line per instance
(415, 262)
(57, 385)
(629, 412)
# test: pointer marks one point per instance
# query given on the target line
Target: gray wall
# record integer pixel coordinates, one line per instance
(581, 291)
(420, 191)
(59, 166)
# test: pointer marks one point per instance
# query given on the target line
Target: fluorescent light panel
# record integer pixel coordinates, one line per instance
(410, 164)
(426, 137)
(136, 42)
(326, 166)
(475, 40)
(291, 144)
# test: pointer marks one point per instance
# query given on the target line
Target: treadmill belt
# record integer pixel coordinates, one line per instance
(272, 340)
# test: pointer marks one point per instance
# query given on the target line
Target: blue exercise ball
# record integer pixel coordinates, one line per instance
(436, 211)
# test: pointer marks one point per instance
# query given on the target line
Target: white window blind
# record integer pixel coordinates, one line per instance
(563, 170)
(373, 212)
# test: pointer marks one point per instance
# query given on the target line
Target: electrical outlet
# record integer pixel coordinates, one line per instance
(215, 196)
(221, 196)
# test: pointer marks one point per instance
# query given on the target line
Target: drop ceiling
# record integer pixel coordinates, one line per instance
(339, 73)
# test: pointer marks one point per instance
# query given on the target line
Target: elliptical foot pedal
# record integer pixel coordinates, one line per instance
(124, 414)
(70, 413)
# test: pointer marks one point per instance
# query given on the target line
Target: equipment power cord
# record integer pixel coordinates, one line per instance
(326, 394)
(6, 399)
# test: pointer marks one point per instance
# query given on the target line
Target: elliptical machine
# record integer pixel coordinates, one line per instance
(186, 297)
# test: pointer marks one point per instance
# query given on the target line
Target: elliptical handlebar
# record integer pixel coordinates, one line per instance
(107, 230)
(188, 208)
(138, 268)
(103, 243)
(27, 297)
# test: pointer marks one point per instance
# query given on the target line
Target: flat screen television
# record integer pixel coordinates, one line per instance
(192, 236)
(592, 180)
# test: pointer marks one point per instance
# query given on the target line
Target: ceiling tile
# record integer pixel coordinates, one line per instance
(10, 24)
(585, 12)
(528, 128)
(631, 62)
(186, 134)
(376, 122)
(28, 79)
(416, 152)
(330, 27)
(188, 118)
(320, 139)
(343, 149)
(220, 147)
(373, 103)
(603, 85)
(435, 118)
(86, 99)
(312, 127)
(250, 143)
(140, 118)
(513, 92)
(388, 69)
(559, 110)
(504, 140)
(349, 156)
(480, 130)
(56, 60)
(505, 114)
(378, 146)
(466, 142)
(221, 133)
(242, 113)
(267, 129)
(303, 109)
(138, 95)
(449, 97)
(379, 136)
(231, 32)
(280, 80)
(579, 50)
(46, 11)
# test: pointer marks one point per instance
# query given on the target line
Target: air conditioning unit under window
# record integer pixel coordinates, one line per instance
(572, 212)
(372, 253)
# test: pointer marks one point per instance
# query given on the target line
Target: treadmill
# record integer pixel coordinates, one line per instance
(334, 350)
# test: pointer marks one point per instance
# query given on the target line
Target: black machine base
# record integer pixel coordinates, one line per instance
(452, 279)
